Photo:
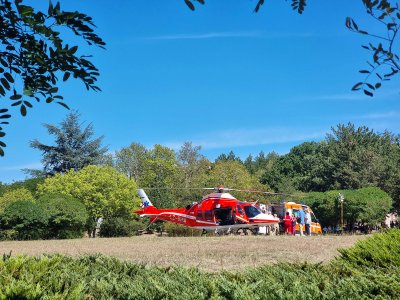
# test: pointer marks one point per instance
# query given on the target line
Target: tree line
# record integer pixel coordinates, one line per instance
(362, 164)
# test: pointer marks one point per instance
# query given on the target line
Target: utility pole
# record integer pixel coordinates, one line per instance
(341, 199)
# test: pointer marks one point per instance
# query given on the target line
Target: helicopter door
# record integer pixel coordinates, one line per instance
(224, 216)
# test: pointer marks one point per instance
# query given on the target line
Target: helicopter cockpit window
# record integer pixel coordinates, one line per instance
(251, 211)
(240, 210)
(199, 215)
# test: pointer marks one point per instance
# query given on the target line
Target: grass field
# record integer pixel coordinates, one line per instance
(207, 253)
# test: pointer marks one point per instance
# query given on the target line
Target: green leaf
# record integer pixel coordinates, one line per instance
(5, 116)
(368, 93)
(27, 103)
(9, 77)
(66, 76)
(73, 50)
(5, 83)
(356, 86)
(63, 104)
(23, 110)
(53, 90)
(16, 103)
(364, 71)
(370, 86)
(49, 100)
(378, 85)
(189, 4)
(1, 152)
(25, 10)
(50, 9)
(16, 97)
(4, 63)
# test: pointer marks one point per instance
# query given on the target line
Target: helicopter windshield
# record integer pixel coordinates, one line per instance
(251, 211)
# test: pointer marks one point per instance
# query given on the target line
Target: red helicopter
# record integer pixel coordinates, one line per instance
(217, 211)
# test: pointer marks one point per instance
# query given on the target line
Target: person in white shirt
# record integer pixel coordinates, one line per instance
(307, 221)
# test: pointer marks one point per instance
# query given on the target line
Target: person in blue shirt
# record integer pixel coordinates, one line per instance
(301, 221)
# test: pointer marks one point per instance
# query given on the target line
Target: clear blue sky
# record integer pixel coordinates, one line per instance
(222, 77)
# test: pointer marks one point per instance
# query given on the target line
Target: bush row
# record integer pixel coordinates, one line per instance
(368, 270)
(55, 216)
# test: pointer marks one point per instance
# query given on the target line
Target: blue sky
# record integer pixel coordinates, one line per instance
(222, 77)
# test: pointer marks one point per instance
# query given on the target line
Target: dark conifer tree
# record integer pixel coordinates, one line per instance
(74, 147)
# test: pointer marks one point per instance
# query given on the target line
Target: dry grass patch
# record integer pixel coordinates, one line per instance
(207, 253)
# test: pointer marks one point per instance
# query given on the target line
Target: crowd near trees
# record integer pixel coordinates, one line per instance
(81, 184)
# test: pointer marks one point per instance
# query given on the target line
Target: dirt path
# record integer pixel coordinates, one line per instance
(207, 253)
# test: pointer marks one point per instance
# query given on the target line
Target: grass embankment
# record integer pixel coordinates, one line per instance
(370, 269)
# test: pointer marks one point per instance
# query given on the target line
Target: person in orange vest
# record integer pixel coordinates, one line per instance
(287, 223)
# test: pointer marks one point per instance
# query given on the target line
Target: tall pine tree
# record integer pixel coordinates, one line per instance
(74, 147)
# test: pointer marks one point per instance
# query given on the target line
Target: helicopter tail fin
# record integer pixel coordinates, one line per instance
(145, 200)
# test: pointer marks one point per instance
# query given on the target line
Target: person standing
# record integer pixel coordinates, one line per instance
(301, 221)
(287, 223)
(294, 222)
(307, 220)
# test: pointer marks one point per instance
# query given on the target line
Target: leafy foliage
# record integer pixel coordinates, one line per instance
(73, 147)
(367, 205)
(367, 271)
(349, 158)
(30, 184)
(67, 216)
(297, 5)
(385, 63)
(26, 218)
(14, 195)
(34, 55)
(160, 173)
(131, 161)
(174, 229)
(117, 226)
(103, 191)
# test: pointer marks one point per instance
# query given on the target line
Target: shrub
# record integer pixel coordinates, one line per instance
(120, 226)
(174, 229)
(8, 235)
(66, 216)
(101, 277)
(27, 218)
(13, 195)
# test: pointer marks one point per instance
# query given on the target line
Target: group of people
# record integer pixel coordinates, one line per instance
(303, 220)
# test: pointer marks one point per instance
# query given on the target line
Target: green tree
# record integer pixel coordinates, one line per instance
(25, 217)
(30, 184)
(300, 169)
(192, 174)
(34, 55)
(367, 205)
(359, 157)
(233, 174)
(131, 161)
(14, 195)
(160, 175)
(104, 191)
(66, 215)
(74, 147)
(231, 156)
